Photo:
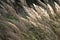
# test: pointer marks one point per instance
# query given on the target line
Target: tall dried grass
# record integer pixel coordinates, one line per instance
(20, 22)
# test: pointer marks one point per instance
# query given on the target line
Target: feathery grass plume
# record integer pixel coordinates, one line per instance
(29, 20)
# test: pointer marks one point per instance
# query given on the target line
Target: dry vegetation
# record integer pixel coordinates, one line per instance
(29, 20)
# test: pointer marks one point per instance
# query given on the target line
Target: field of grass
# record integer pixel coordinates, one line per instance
(18, 21)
